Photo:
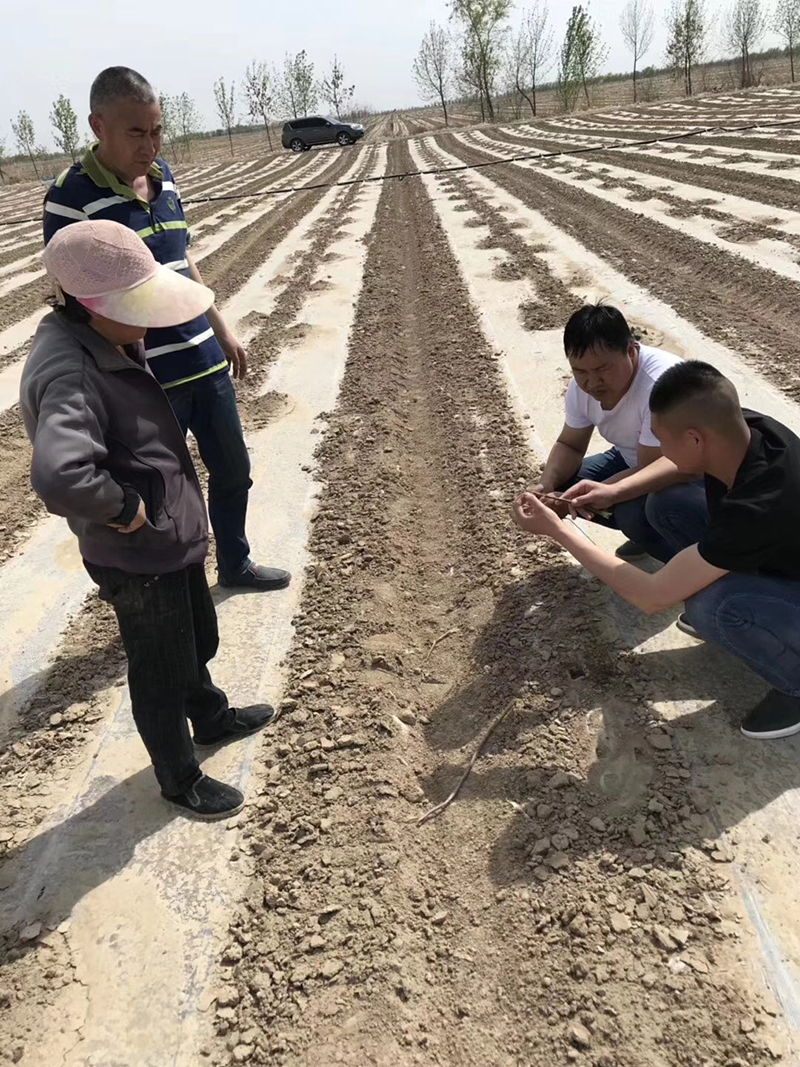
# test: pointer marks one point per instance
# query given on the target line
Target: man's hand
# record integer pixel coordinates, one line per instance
(534, 516)
(137, 522)
(539, 491)
(235, 354)
(587, 494)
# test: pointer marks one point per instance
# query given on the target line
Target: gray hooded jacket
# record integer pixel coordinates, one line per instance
(105, 436)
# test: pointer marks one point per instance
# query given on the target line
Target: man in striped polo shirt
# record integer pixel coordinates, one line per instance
(123, 179)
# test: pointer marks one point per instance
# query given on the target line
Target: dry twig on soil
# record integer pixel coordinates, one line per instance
(439, 640)
(434, 812)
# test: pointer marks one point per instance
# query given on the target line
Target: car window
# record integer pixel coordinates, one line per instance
(301, 124)
(317, 123)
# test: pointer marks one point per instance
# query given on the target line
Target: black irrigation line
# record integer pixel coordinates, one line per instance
(521, 158)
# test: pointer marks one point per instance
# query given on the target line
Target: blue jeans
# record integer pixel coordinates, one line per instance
(631, 516)
(207, 407)
(757, 618)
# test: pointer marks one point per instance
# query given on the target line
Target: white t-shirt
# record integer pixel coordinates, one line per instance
(628, 424)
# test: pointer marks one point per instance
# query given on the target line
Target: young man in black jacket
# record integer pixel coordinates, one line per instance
(110, 456)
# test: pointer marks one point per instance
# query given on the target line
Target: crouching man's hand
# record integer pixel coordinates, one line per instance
(533, 516)
(599, 496)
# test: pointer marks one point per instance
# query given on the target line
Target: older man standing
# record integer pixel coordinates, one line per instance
(122, 178)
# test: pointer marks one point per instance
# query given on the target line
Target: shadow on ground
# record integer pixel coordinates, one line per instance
(556, 631)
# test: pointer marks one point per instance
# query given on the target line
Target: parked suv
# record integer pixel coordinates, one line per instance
(301, 134)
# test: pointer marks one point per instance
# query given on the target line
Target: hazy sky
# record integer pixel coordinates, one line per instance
(186, 44)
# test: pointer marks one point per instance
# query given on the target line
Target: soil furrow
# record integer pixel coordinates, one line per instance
(20, 252)
(226, 268)
(553, 302)
(362, 938)
(702, 283)
(762, 189)
(197, 212)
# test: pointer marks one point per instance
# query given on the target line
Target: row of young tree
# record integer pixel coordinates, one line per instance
(291, 91)
(266, 95)
(64, 122)
(481, 55)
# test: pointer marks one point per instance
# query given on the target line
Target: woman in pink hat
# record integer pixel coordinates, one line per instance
(109, 455)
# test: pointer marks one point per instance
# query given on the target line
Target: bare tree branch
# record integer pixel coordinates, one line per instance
(745, 25)
(433, 67)
(258, 94)
(225, 99)
(636, 24)
(787, 25)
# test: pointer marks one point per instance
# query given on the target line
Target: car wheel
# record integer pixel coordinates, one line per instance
(344, 139)
(297, 145)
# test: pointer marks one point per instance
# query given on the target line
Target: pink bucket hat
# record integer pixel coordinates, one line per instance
(112, 272)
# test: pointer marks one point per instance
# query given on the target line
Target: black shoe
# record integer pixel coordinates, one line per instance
(246, 721)
(209, 799)
(686, 627)
(261, 579)
(630, 551)
(777, 715)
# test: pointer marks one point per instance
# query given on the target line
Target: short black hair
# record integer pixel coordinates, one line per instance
(72, 310)
(596, 324)
(689, 380)
(115, 82)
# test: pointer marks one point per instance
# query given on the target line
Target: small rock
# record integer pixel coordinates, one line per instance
(662, 938)
(579, 1036)
(679, 934)
(544, 811)
(747, 1025)
(30, 933)
(232, 954)
(560, 780)
(242, 1053)
(56, 719)
(439, 918)
(557, 860)
(541, 846)
(697, 963)
(579, 927)
(620, 923)
(407, 717)
(649, 896)
(598, 824)
(330, 968)
(637, 834)
(660, 741)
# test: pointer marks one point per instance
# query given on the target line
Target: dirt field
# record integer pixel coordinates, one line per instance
(616, 885)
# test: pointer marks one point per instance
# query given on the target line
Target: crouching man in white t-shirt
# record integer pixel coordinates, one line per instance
(613, 376)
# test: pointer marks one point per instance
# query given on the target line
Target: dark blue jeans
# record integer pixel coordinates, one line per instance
(207, 407)
(754, 617)
(631, 517)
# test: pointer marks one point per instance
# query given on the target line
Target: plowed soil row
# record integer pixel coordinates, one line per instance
(196, 212)
(553, 303)
(20, 252)
(769, 191)
(513, 930)
(645, 133)
(227, 268)
(700, 282)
